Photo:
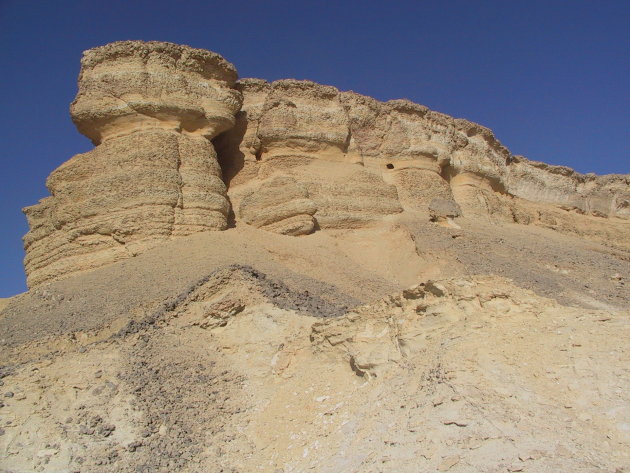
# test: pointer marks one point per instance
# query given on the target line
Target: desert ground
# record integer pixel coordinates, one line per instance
(392, 349)
(244, 276)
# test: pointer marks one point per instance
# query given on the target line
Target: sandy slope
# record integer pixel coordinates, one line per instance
(244, 351)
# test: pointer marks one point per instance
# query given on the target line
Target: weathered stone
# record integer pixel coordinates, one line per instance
(443, 208)
(151, 109)
(298, 156)
(280, 205)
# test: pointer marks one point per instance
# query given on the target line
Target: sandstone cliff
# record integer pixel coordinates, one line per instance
(292, 157)
(151, 109)
(320, 282)
(287, 125)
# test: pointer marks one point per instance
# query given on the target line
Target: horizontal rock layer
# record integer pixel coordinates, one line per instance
(150, 108)
(424, 153)
(122, 197)
(296, 156)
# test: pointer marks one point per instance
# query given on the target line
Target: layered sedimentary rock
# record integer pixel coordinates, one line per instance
(606, 196)
(296, 156)
(302, 129)
(151, 109)
(292, 127)
(280, 205)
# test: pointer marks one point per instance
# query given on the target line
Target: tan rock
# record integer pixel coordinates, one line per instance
(424, 153)
(376, 337)
(151, 108)
(135, 85)
(303, 119)
(448, 463)
(248, 350)
(350, 196)
(607, 196)
(239, 148)
(280, 205)
(298, 156)
(442, 209)
(302, 130)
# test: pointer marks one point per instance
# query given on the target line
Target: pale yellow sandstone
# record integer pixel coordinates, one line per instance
(292, 157)
(151, 109)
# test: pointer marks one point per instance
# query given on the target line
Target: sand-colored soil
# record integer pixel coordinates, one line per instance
(246, 351)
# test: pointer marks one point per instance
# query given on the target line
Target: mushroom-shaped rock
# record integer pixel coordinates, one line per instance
(150, 108)
(134, 85)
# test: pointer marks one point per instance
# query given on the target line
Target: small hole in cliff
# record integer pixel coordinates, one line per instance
(259, 153)
(390, 166)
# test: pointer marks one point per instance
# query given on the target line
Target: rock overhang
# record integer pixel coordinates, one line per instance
(305, 154)
(131, 85)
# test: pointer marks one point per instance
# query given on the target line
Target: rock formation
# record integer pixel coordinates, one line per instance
(302, 129)
(280, 205)
(604, 196)
(296, 156)
(287, 124)
(393, 291)
(151, 110)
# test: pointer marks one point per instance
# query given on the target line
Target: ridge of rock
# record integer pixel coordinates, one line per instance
(182, 147)
(151, 110)
(406, 142)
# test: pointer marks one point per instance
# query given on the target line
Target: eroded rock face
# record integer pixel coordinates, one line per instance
(410, 153)
(403, 147)
(280, 205)
(151, 109)
(606, 196)
(302, 129)
(296, 156)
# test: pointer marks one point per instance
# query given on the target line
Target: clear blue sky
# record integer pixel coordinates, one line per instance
(550, 77)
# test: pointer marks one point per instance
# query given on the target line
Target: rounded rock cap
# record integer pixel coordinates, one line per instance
(207, 63)
(133, 85)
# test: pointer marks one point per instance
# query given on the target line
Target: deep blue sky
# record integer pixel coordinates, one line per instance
(549, 77)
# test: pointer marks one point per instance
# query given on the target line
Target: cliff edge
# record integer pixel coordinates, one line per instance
(183, 147)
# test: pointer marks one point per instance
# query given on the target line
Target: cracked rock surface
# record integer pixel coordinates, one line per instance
(183, 147)
(151, 109)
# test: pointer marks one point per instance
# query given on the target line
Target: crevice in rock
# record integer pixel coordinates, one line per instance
(227, 146)
(447, 173)
(346, 143)
(180, 183)
(346, 148)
